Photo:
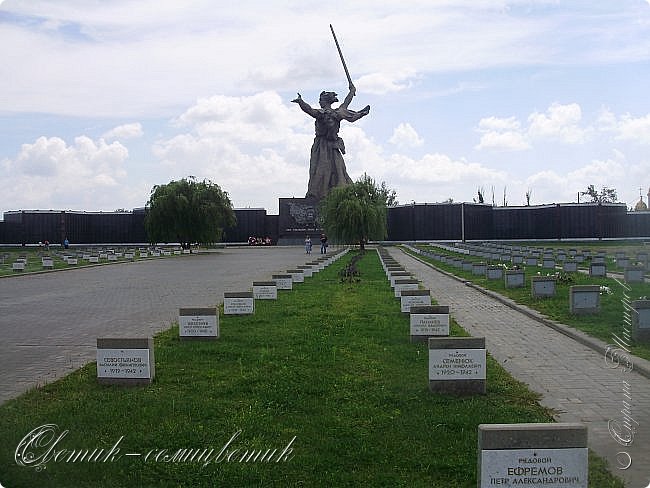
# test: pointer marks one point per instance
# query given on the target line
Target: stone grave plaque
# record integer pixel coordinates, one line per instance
(398, 275)
(542, 286)
(598, 259)
(428, 321)
(584, 299)
(47, 263)
(283, 281)
(238, 303)
(531, 261)
(494, 273)
(265, 290)
(597, 269)
(306, 270)
(622, 262)
(517, 259)
(414, 298)
(296, 275)
(93, 259)
(579, 257)
(103, 255)
(514, 279)
(479, 269)
(570, 267)
(18, 266)
(156, 254)
(457, 365)
(72, 261)
(112, 257)
(315, 266)
(177, 252)
(129, 255)
(548, 263)
(553, 455)
(561, 257)
(641, 320)
(405, 284)
(198, 323)
(125, 361)
(634, 274)
(466, 265)
(144, 254)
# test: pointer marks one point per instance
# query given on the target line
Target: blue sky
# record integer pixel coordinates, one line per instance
(102, 100)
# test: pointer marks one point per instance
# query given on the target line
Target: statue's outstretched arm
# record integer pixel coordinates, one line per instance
(308, 109)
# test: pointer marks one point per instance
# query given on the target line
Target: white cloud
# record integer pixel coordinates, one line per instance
(634, 129)
(504, 134)
(126, 131)
(384, 83)
(404, 135)
(49, 173)
(508, 141)
(560, 122)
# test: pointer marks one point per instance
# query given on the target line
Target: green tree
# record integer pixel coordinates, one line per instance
(606, 195)
(188, 211)
(357, 212)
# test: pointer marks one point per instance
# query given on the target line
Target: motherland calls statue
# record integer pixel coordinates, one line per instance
(326, 165)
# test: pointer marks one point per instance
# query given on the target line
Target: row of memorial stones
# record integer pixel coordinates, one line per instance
(633, 268)
(94, 256)
(130, 361)
(583, 299)
(549, 454)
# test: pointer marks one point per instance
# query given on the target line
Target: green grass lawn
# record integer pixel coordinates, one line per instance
(328, 367)
(603, 325)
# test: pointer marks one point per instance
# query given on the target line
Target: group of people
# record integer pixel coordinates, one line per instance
(259, 241)
(323, 244)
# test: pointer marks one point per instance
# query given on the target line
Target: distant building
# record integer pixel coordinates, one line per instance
(641, 206)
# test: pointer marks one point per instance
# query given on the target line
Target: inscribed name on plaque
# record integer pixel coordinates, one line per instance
(455, 364)
(550, 468)
(123, 363)
(198, 322)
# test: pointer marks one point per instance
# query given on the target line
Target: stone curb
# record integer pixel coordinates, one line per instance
(641, 366)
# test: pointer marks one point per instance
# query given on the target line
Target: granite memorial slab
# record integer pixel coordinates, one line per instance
(265, 290)
(457, 365)
(584, 299)
(125, 361)
(238, 303)
(414, 298)
(552, 455)
(198, 323)
(428, 321)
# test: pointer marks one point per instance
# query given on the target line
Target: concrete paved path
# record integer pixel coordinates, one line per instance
(573, 379)
(49, 323)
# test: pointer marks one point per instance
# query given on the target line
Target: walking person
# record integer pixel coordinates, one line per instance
(308, 245)
(323, 244)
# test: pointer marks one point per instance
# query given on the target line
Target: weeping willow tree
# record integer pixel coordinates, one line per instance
(188, 211)
(356, 213)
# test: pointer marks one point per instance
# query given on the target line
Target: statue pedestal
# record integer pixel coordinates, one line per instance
(298, 219)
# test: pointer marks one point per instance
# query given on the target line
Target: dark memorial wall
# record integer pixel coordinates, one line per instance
(251, 222)
(298, 217)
